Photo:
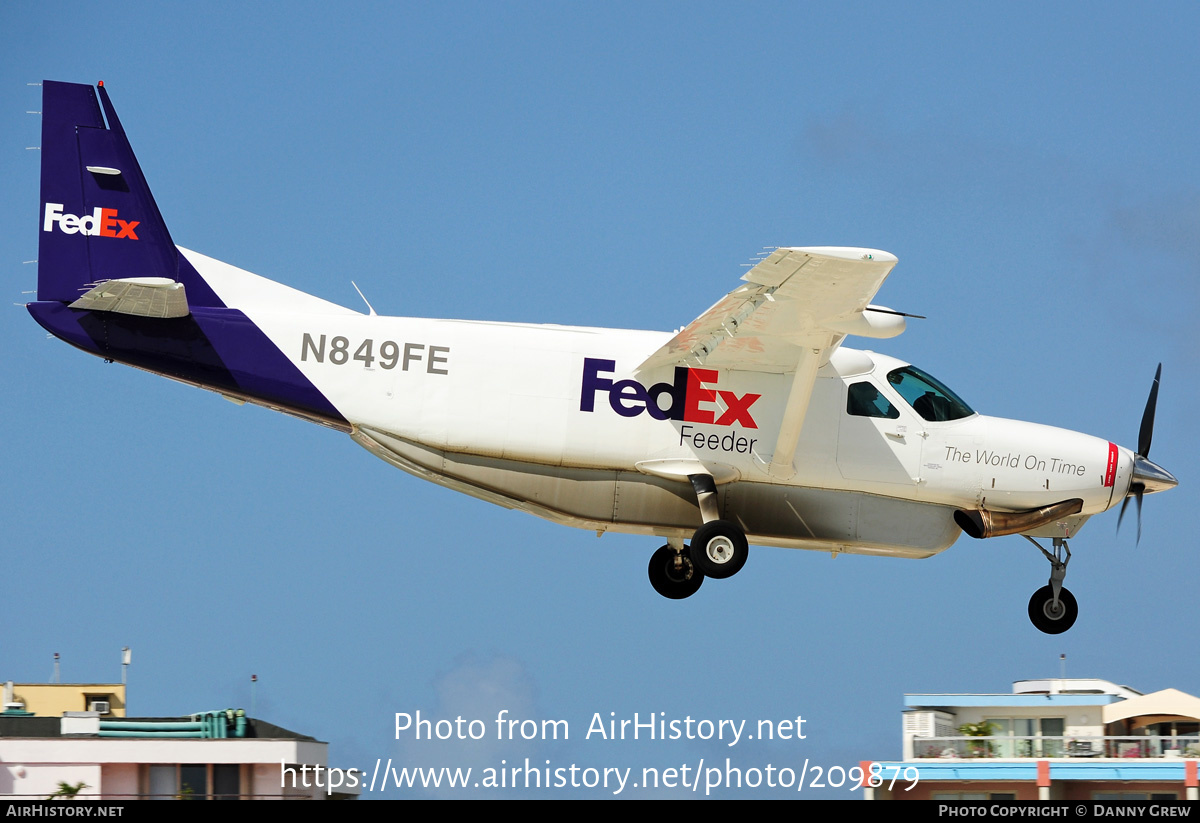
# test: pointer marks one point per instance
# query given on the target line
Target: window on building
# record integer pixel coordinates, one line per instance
(194, 781)
(1051, 730)
(948, 796)
(1027, 736)
(970, 796)
(226, 781)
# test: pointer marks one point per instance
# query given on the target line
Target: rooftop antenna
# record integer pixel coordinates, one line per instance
(254, 680)
(1062, 666)
(57, 673)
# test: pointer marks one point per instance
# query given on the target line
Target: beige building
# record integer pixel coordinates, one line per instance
(55, 699)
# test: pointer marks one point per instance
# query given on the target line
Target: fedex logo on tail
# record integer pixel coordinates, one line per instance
(102, 222)
(689, 396)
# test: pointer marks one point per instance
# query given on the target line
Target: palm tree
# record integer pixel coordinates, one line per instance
(68, 791)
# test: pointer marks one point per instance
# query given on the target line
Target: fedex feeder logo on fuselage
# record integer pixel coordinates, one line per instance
(687, 394)
(102, 222)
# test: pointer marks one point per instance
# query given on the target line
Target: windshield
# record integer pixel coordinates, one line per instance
(929, 398)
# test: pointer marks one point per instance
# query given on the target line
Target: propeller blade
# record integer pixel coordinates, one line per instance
(1145, 472)
(1139, 508)
(1147, 431)
(1135, 490)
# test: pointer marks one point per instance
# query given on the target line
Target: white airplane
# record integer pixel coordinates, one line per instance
(751, 424)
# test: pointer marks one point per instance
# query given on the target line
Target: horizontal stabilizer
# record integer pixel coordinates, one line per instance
(139, 296)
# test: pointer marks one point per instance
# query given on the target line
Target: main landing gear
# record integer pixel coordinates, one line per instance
(718, 549)
(673, 574)
(1053, 609)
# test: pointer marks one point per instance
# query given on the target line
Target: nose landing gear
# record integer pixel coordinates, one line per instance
(1053, 609)
(1050, 616)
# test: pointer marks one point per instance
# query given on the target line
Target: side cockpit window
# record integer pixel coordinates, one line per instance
(929, 398)
(864, 400)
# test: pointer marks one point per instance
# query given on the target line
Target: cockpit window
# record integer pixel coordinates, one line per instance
(864, 400)
(927, 396)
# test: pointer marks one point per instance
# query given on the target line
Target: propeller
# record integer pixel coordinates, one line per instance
(1145, 472)
(1135, 490)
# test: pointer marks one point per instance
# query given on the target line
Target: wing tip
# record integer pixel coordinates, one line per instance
(848, 253)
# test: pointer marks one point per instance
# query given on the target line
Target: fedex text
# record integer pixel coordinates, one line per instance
(101, 222)
(688, 397)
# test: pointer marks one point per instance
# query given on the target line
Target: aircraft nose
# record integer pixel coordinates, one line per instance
(1151, 476)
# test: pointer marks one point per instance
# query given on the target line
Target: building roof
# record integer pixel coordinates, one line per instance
(1033, 694)
(958, 701)
(38, 727)
(1157, 707)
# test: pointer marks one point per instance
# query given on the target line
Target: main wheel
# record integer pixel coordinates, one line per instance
(719, 549)
(1049, 619)
(675, 583)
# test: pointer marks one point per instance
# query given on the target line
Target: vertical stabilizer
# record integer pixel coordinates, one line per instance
(98, 218)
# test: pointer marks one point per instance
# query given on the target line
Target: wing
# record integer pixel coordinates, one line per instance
(796, 307)
(795, 298)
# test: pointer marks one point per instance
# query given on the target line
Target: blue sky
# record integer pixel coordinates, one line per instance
(1033, 168)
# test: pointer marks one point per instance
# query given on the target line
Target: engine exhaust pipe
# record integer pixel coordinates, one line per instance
(983, 523)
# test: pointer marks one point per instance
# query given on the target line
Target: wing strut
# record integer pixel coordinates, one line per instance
(781, 465)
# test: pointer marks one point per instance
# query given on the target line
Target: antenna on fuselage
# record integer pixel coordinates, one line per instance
(364, 298)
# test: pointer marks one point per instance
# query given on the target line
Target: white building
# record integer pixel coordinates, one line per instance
(214, 755)
(1050, 740)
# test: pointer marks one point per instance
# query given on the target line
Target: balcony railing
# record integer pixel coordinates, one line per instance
(1153, 746)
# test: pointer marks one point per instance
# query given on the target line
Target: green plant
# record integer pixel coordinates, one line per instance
(981, 748)
(67, 790)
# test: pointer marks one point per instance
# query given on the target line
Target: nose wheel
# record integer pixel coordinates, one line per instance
(1053, 609)
(1051, 615)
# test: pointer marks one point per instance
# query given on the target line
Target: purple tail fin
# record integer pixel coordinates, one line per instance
(99, 220)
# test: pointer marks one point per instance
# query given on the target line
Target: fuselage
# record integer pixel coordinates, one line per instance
(556, 421)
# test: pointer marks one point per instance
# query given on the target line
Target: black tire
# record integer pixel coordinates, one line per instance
(671, 582)
(719, 549)
(1043, 616)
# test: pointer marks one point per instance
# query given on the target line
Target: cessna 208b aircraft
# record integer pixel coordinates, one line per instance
(753, 424)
